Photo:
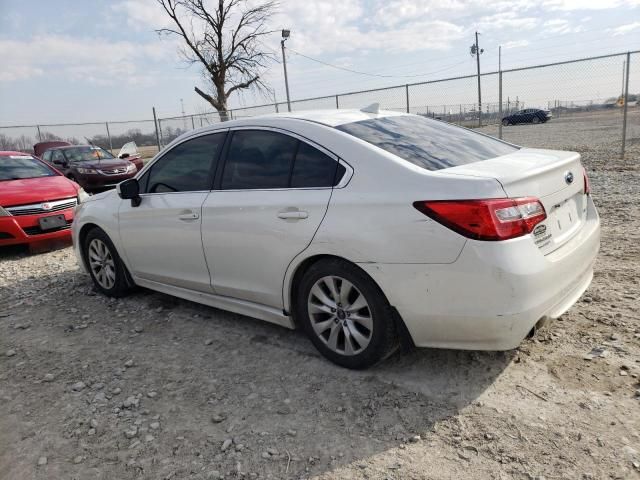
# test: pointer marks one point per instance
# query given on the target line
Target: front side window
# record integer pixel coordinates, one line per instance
(47, 156)
(187, 167)
(427, 143)
(19, 167)
(57, 157)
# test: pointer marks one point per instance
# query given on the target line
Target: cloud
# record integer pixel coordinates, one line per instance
(624, 29)
(569, 5)
(561, 26)
(141, 14)
(515, 44)
(89, 60)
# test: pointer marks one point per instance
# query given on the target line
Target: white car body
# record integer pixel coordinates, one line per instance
(233, 249)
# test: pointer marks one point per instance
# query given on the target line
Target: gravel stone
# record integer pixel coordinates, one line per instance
(78, 386)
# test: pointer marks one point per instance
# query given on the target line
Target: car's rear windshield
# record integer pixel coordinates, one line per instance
(430, 144)
(19, 167)
(85, 154)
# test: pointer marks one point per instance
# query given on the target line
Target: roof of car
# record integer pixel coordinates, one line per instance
(331, 118)
(6, 153)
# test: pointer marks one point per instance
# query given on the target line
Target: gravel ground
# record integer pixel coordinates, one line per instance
(159, 388)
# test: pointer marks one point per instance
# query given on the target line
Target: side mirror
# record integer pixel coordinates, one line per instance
(125, 155)
(130, 190)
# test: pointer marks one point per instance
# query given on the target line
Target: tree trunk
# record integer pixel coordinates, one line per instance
(220, 106)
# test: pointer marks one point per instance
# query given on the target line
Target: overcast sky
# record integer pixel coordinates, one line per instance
(77, 60)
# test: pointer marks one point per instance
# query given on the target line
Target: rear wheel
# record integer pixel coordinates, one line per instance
(345, 314)
(535, 120)
(505, 122)
(107, 270)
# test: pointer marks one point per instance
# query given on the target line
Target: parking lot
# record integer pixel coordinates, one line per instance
(155, 387)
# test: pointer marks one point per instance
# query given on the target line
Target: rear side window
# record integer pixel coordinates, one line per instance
(430, 144)
(312, 168)
(262, 159)
(258, 159)
(46, 156)
(187, 167)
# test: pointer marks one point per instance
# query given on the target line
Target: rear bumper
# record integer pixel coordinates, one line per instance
(15, 230)
(494, 293)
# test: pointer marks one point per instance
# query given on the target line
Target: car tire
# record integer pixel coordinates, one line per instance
(535, 120)
(108, 272)
(360, 331)
(506, 122)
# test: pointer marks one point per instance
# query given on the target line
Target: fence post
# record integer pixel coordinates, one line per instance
(155, 122)
(337, 103)
(193, 123)
(109, 137)
(39, 134)
(500, 105)
(406, 87)
(624, 112)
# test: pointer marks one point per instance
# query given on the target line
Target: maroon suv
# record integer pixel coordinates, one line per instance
(92, 167)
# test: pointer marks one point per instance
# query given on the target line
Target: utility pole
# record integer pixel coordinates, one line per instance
(285, 36)
(500, 92)
(184, 119)
(476, 50)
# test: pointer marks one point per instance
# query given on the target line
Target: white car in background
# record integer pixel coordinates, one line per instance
(358, 226)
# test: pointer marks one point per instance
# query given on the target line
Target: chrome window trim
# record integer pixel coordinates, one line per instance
(344, 181)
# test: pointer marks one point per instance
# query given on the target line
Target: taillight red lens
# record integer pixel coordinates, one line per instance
(491, 219)
(587, 185)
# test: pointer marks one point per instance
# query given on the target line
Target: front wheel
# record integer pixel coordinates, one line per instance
(346, 315)
(107, 270)
(535, 120)
(505, 122)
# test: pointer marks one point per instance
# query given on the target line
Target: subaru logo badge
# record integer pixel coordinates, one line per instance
(568, 177)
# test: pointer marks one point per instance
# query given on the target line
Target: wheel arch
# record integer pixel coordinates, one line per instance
(297, 271)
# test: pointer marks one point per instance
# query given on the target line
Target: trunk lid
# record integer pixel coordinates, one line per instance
(554, 177)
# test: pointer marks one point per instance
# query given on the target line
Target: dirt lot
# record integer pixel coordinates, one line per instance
(158, 388)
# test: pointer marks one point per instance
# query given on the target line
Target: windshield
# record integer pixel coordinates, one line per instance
(85, 154)
(18, 167)
(427, 143)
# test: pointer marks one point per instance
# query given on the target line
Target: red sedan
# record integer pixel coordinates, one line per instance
(36, 201)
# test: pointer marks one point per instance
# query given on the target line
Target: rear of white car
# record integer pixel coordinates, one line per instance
(529, 232)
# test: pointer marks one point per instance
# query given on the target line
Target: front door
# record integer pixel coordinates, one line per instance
(273, 193)
(161, 237)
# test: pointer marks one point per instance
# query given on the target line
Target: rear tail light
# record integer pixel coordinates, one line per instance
(587, 185)
(491, 219)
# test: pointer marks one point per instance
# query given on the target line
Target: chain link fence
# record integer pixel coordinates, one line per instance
(591, 100)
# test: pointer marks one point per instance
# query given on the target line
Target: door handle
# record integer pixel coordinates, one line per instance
(186, 216)
(295, 214)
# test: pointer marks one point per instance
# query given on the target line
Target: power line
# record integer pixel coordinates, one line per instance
(372, 74)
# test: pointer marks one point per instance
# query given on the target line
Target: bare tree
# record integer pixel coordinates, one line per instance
(225, 41)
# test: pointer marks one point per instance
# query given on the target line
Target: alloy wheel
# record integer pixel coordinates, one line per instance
(340, 315)
(102, 264)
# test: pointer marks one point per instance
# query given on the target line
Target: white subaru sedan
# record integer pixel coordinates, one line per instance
(361, 227)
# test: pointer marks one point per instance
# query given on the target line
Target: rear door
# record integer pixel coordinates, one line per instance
(271, 197)
(161, 236)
